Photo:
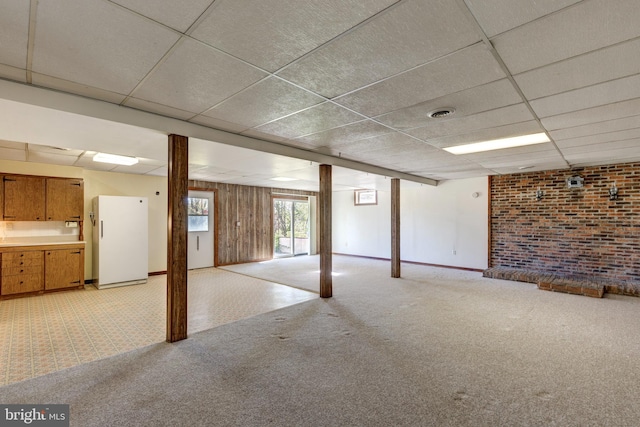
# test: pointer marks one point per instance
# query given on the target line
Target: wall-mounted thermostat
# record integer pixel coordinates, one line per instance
(575, 182)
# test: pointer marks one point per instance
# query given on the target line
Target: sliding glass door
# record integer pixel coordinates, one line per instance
(290, 227)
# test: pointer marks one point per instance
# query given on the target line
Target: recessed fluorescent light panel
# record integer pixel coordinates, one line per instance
(115, 159)
(283, 179)
(498, 144)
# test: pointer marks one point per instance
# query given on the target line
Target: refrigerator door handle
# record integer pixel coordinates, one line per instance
(101, 229)
(197, 243)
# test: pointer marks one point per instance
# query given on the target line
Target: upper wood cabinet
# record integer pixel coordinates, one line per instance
(24, 198)
(65, 199)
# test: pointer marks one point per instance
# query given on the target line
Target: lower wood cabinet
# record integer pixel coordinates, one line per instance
(22, 272)
(37, 269)
(63, 268)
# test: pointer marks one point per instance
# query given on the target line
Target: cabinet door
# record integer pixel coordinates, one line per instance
(65, 199)
(24, 198)
(63, 268)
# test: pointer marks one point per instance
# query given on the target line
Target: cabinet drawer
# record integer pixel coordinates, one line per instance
(17, 271)
(21, 262)
(12, 256)
(22, 283)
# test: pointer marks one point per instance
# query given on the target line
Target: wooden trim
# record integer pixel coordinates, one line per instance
(178, 190)
(245, 262)
(395, 227)
(324, 235)
(426, 264)
(489, 214)
(215, 219)
(285, 197)
(157, 273)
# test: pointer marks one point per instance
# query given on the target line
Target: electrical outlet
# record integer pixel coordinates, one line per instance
(453, 252)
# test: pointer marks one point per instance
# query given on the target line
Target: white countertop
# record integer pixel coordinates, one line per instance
(38, 240)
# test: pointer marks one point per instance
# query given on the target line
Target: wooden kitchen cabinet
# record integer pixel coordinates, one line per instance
(24, 198)
(42, 268)
(64, 199)
(63, 268)
(22, 272)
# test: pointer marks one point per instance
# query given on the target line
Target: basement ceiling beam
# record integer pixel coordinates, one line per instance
(76, 104)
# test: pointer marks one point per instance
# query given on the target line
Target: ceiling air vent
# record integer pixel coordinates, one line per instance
(441, 113)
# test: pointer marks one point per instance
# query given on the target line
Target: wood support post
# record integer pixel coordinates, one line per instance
(395, 227)
(324, 202)
(177, 238)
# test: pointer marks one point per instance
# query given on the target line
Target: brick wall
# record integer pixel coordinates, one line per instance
(568, 231)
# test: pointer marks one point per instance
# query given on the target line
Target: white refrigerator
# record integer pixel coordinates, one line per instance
(120, 240)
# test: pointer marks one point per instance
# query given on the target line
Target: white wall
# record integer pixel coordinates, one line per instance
(361, 230)
(97, 183)
(434, 222)
(121, 184)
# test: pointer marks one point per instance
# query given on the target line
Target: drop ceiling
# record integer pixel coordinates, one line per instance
(345, 80)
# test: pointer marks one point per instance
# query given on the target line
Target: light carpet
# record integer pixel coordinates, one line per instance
(438, 347)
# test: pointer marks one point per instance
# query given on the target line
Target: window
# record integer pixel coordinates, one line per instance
(198, 211)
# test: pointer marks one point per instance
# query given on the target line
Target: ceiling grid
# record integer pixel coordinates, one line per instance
(345, 82)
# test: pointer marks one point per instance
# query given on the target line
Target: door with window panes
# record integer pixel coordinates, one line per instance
(290, 227)
(200, 226)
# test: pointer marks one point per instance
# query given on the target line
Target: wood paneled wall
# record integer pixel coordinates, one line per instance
(251, 206)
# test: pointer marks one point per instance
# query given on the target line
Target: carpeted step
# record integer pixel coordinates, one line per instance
(585, 287)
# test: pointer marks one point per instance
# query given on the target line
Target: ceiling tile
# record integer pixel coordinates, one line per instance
(184, 79)
(346, 134)
(617, 61)
(263, 102)
(611, 152)
(86, 161)
(95, 43)
(139, 168)
(465, 124)
(470, 173)
(592, 96)
(76, 88)
(272, 33)
(315, 119)
(587, 26)
(14, 32)
(527, 155)
(467, 102)
(548, 165)
(589, 146)
(497, 16)
(374, 148)
(506, 131)
(467, 68)
(168, 12)
(51, 158)
(60, 151)
(602, 138)
(161, 171)
(163, 110)
(408, 35)
(596, 128)
(593, 115)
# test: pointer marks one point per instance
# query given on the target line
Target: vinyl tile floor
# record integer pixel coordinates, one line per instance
(45, 333)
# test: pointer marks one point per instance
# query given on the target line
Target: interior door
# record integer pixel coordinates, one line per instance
(200, 240)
